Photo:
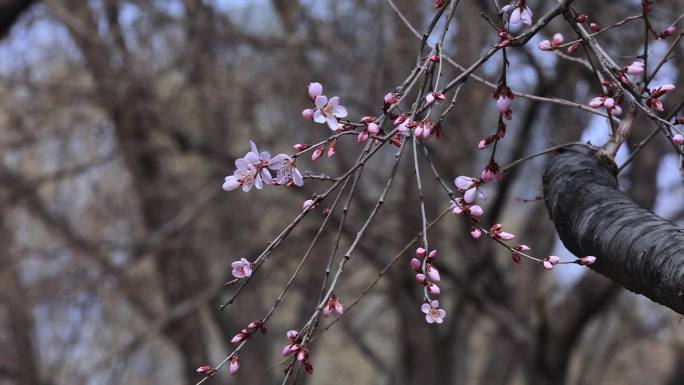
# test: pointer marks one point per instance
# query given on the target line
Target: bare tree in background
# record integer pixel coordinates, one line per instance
(120, 118)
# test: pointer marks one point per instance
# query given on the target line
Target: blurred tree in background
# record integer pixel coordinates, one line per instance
(119, 119)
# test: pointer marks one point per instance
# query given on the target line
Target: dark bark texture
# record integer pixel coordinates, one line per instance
(634, 247)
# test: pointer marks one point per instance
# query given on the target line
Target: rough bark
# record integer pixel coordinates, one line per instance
(634, 247)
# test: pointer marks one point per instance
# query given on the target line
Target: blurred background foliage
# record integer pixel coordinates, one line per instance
(119, 119)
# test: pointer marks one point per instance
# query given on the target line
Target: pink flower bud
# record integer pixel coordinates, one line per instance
(332, 149)
(594, 27)
(433, 273)
(506, 236)
(433, 289)
(238, 338)
(390, 99)
(206, 370)
(522, 247)
(678, 139)
(432, 255)
(234, 365)
(339, 307)
(420, 278)
(429, 99)
(581, 18)
(636, 68)
(367, 119)
(547, 265)
(482, 145)
(373, 128)
(420, 252)
(616, 111)
(573, 48)
(415, 264)
(476, 211)
(609, 103)
(308, 204)
(457, 210)
(553, 259)
(363, 136)
(292, 334)
(557, 39)
(308, 114)
(669, 31)
(327, 311)
(419, 131)
(545, 45)
(315, 89)
(588, 260)
(318, 152)
(300, 146)
(503, 104)
(596, 102)
(475, 232)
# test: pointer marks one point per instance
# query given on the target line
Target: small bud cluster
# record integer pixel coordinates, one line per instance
(296, 347)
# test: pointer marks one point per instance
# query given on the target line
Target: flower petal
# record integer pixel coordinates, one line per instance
(320, 101)
(340, 111)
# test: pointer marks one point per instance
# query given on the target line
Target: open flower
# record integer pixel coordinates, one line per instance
(328, 111)
(656, 93)
(470, 188)
(521, 14)
(433, 313)
(244, 175)
(242, 268)
(285, 170)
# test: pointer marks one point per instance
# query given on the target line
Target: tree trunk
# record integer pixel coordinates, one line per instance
(634, 247)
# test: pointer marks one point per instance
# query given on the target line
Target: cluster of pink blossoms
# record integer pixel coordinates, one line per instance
(335, 304)
(326, 110)
(296, 347)
(426, 267)
(428, 276)
(254, 170)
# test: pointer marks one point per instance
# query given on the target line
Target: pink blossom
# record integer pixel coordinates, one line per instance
(497, 232)
(553, 259)
(433, 313)
(234, 364)
(433, 288)
(616, 111)
(636, 68)
(390, 99)
(475, 211)
(545, 45)
(308, 114)
(588, 260)
(290, 348)
(292, 334)
(208, 371)
(416, 265)
(333, 303)
(521, 14)
(669, 31)
(596, 102)
(300, 146)
(373, 128)
(328, 111)
(547, 265)
(557, 39)
(242, 268)
(470, 188)
(286, 172)
(315, 90)
(503, 104)
(420, 252)
(332, 149)
(363, 136)
(420, 278)
(609, 103)
(432, 255)
(429, 99)
(432, 272)
(522, 247)
(678, 139)
(309, 203)
(241, 336)
(475, 232)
